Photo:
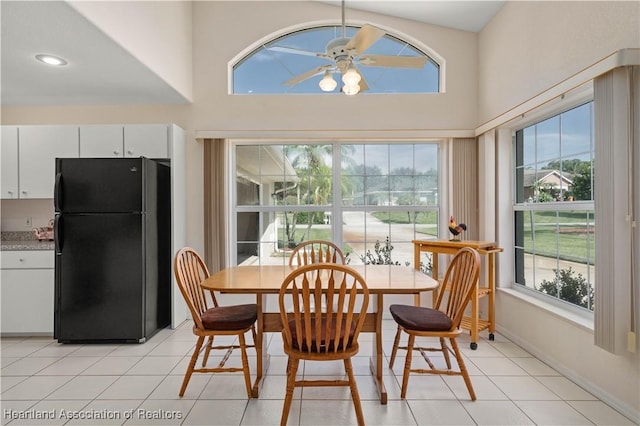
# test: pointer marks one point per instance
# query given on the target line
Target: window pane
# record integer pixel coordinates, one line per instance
(376, 158)
(548, 140)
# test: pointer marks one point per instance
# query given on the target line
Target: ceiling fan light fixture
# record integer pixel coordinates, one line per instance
(351, 89)
(328, 84)
(51, 60)
(351, 77)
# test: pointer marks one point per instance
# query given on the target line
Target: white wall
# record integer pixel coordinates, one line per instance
(14, 214)
(531, 46)
(157, 33)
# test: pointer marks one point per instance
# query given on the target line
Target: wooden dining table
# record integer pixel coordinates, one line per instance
(266, 280)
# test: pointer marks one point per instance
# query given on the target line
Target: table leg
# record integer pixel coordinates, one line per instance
(434, 275)
(377, 358)
(474, 320)
(262, 357)
(492, 294)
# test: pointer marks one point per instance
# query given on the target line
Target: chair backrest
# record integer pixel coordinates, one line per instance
(312, 327)
(316, 251)
(190, 271)
(461, 279)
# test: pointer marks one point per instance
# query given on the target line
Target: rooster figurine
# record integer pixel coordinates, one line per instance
(456, 229)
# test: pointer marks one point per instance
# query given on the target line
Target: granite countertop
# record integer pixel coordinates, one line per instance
(21, 240)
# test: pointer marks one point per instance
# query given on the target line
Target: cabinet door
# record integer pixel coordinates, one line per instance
(9, 154)
(146, 140)
(27, 301)
(101, 141)
(38, 147)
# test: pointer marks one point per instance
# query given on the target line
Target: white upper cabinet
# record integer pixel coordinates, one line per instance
(131, 140)
(101, 141)
(38, 147)
(148, 140)
(9, 182)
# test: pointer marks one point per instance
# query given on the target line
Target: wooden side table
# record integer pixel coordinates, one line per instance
(473, 323)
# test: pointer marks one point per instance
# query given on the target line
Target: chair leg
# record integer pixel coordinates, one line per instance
(407, 366)
(192, 365)
(245, 363)
(445, 352)
(463, 369)
(207, 351)
(355, 396)
(291, 379)
(394, 351)
(253, 334)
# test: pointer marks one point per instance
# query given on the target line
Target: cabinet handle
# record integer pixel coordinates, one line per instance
(10, 192)
(129, 152)
(21, 259)
(24, 192)
(116, 152)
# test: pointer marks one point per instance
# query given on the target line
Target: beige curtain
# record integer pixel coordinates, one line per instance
(616, 138)
(463, 184)
(214, 211)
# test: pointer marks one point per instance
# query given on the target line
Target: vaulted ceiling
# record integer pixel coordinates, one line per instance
(105, 73)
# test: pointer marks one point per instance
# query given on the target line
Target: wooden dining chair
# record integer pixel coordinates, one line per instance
(316, 251)
(311, 334)
(441, 322)
(190, 272)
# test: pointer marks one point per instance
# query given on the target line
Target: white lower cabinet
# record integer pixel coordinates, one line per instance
(27, 292)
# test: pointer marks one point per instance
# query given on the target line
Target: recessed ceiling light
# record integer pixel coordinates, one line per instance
(51, 60)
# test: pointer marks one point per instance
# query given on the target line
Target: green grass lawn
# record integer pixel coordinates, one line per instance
(564, 235)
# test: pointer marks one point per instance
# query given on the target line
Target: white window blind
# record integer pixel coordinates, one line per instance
(615, 141)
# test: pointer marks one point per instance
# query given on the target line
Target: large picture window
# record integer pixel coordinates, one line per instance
(554, 207)
(372, 199)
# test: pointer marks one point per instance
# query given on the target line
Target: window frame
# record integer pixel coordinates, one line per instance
(336, 208)
(432, 56)
(564, 104)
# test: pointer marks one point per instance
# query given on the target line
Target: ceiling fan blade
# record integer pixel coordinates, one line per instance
(363, 83)
(392, 61)
(363, 39)
(295, 51)
(307, 75)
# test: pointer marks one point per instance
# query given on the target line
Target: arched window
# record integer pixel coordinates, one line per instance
(296, 63)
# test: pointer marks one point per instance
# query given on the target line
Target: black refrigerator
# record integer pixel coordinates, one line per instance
(112, 233)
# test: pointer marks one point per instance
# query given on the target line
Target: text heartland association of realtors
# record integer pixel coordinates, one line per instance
(32, 414)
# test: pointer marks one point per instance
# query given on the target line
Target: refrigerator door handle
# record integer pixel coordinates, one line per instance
(57, 192)
(57, 234)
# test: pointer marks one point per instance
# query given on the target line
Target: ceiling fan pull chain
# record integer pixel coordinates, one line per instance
(344, 28)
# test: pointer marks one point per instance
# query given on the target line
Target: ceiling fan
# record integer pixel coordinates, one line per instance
(345, 54)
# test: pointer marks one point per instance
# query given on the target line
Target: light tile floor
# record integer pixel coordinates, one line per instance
(138, 384)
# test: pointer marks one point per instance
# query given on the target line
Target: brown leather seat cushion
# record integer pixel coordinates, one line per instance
(419, 318)
(230, 317)
(323, 343)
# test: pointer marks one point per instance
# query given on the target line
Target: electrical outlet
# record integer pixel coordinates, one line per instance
(29, 222)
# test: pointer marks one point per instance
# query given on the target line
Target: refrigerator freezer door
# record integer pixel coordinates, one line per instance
(100, 278)
(100, 185)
